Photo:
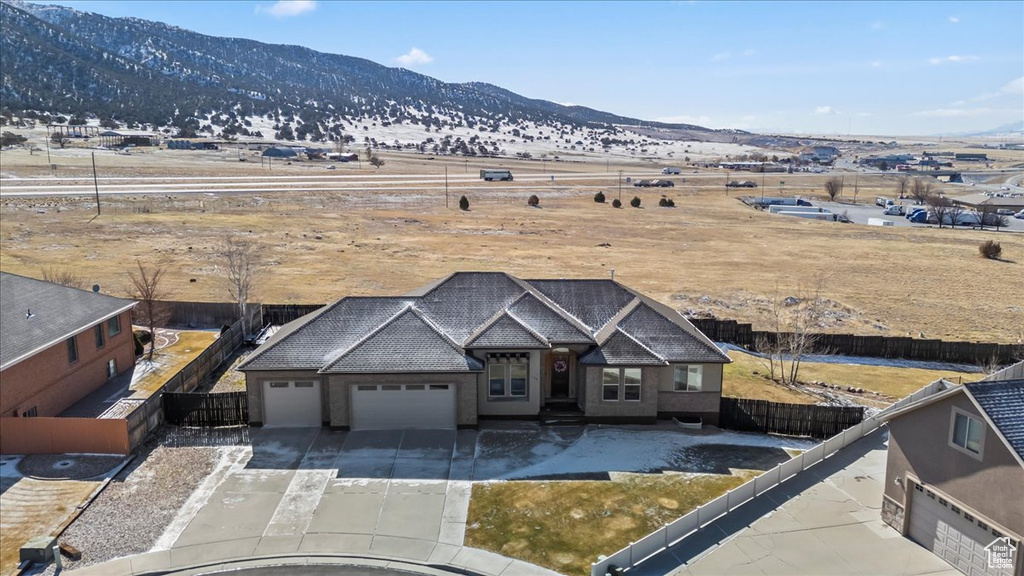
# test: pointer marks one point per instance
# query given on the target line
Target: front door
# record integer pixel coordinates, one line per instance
(560, 375)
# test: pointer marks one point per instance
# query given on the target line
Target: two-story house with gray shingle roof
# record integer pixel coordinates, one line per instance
(485, 345)
(58, 344)
(955, 474)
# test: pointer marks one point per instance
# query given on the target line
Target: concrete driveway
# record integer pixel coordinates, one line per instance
(382, 493)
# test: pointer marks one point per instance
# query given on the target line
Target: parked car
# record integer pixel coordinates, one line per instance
(894, 210)
(742, 184)
(642, 183)
(663, 184)
(1019, 215)
(1005, 212)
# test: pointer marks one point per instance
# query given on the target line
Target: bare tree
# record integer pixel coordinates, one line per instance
(145, 287)
(988, 215)
(955, 212)
(939, 207)
(376, 162)
(63, 276)
(244, 263)
(921, 189)
(833, 187)
(902, 185)
(793, 321)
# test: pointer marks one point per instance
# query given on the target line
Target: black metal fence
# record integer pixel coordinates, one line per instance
(206, 410)
(742, 334)
(791, 419)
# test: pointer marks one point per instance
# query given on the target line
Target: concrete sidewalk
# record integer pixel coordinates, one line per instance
(824, 521)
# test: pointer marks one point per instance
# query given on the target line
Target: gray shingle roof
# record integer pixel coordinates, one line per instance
(314, 339)
(58, 312)
(1003, 401)
(464, 301)
(428, 330)
(592, 302)
(620, 349)
(406, 343)
(667, 338)
(507, 332)
(543, 320)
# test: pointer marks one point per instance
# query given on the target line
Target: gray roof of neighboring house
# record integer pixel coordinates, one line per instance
(1003, 401)
(483, 310)
(57, 313)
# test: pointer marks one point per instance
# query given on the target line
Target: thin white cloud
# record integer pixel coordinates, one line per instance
(1012, 88)
(878, 25)
(954, 112)
(414, 57)
(825, 111)
(876, 64)
(955, 58)
(749, 52)
(684, 119)
(954, 20)
(721, 57)
(864, 114)
(287, 8)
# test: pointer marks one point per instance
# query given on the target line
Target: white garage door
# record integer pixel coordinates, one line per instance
(388, 406)
(295, 403)
(951, 533)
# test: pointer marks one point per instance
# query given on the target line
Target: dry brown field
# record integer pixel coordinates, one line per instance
(710, 253)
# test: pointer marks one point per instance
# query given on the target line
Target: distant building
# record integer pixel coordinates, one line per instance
(819, 154)
(971, 157)
(280, 152)
(58, 344)
(122, 138)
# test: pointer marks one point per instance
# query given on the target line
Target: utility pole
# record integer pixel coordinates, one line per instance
(842, 183)
(445, 186)
(620, 185)
(48, 161)
(95, 184)
(856, 178)
(727, 184)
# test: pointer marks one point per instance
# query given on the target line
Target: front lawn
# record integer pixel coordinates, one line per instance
(566, 525)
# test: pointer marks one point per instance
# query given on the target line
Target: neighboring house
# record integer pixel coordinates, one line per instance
(819, 154)
(58, 344)
(955, 474)
(485, 345)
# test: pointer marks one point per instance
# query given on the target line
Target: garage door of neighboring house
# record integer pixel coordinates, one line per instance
(389, 406)
(951, 533)
(292, 403)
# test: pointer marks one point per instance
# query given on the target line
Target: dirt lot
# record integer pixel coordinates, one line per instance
(710, 253)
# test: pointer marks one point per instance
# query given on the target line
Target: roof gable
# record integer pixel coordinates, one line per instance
(406, 343)
(466, 300)
(667, 338)
(506, 332)
(592, 302)
(543, 320)
(325, 334)
(36, 314)
(620, 349)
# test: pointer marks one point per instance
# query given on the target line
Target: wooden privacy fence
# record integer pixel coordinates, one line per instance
(279, 314)
(48, 435)
(206, 410)
(149, 414)
(675, 533)
(733, 332)
(790, 419)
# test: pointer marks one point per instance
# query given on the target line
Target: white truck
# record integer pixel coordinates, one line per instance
(491, 175)
(671, 170)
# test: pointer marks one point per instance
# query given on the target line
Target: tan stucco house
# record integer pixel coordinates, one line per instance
(485, 345)
(58, 344)
(955, 475)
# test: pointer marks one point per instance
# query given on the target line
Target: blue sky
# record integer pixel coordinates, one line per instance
(892, 68)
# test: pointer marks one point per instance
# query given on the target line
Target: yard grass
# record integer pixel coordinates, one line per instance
(740, 381)
(566, 525)
(168, 361)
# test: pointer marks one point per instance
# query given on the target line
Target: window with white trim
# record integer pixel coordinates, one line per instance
(508, 375)
(610, 384)
(114, 326)
(967, 433)
(688, 378)
(621, 384)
